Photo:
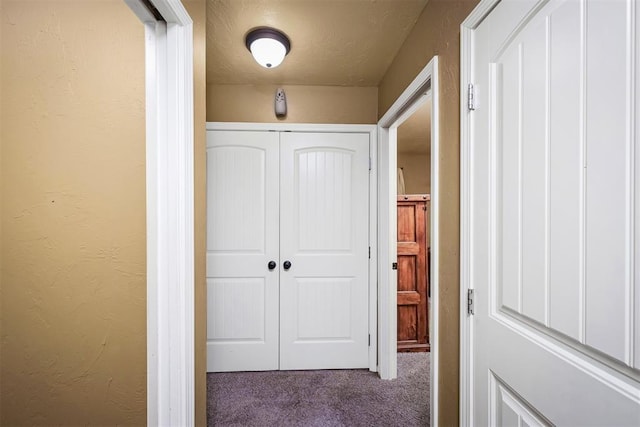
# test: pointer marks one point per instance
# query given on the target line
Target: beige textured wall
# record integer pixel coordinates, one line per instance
(437, 32)
(197, 11)
(417, 172)
(73, 303)
(72, 218)
(305, 104)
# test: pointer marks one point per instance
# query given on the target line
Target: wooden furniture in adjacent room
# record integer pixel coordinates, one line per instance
(413, 283)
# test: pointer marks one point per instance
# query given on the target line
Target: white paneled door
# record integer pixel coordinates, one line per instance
(555, 221)
(242, 239)
(287, 250)
(324, 232)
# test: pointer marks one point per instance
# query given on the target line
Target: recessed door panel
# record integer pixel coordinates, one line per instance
(323, 308)
(236, 186)
(237, 310)
(323, 217)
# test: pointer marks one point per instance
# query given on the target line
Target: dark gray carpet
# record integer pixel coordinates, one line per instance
(322, 398)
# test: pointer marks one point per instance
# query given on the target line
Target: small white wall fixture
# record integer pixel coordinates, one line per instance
(170, 211)
(425, 83)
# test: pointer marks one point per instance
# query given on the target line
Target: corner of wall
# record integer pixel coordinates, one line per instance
(437, 32)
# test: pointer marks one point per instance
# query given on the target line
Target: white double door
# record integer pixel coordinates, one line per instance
(287, 250)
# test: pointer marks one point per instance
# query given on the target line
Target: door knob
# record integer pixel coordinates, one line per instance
(287, 265)
(271, 265)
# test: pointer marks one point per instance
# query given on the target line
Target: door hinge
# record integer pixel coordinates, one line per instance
(369, 340)
(369, 252)
(471, 97)
(470, 301)
(394, 265)
(370, 163)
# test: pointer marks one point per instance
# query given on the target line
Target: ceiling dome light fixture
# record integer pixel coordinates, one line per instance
(268, 46)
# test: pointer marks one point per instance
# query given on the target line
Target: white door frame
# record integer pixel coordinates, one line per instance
(170, 212)
(466, 325)
(387, 225)
(342, 128)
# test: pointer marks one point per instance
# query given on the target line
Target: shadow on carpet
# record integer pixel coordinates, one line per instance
(322, 398)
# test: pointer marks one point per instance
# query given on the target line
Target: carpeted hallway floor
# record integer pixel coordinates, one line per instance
(322, 398)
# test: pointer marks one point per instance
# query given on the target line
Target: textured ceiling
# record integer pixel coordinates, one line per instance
(414, 134)
(333, 42)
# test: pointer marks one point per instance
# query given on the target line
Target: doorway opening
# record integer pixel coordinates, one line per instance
(422, 91)
(413, 218)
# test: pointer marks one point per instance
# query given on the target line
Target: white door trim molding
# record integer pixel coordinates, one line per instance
(426, 80)
(339, 128)
(466, 194)
(295, 127)
(170, 212)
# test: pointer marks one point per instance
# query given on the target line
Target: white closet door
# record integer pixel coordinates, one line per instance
(555, 214)
(242, 238)
(324, 190)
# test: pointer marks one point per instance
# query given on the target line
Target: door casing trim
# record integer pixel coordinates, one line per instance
(170, 212)
(426, 80)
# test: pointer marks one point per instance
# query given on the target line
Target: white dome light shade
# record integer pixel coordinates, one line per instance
(268, 52)
(268, 46)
